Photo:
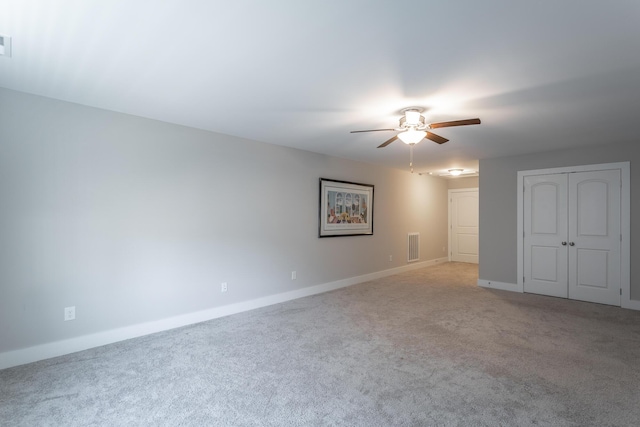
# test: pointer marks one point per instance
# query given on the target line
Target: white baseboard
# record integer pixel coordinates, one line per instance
(503, 286)
(626, 303)
(630, 304)
(59, 348)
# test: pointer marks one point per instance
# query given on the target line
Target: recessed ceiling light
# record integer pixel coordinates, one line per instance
(5, 46)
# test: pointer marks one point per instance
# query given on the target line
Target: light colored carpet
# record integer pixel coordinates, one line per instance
(418, 349)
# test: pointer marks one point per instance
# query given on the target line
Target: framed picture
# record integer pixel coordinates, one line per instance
(346, 208)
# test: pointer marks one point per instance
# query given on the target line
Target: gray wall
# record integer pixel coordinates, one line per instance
(134, 220)
(498, 204)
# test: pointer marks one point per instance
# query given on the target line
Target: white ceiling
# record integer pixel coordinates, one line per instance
(541, 75)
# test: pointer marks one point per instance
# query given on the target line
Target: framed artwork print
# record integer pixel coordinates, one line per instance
(346, 208)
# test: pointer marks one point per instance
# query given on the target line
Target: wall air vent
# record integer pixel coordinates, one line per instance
(5, 46)
(413, 247)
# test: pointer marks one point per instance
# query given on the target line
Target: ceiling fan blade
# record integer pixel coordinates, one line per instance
(454, 123)
(436, 138)
(388, 141)
(370, 130)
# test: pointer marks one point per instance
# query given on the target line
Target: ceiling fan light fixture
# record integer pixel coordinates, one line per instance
(412, 136)
(455, 172)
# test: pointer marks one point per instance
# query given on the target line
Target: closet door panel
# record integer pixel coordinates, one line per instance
(594, 236)
(545, 227)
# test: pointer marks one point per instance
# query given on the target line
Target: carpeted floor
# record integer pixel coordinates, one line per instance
(417, 349)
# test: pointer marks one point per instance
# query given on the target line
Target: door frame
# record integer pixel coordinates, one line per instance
(625, 222)
(455, 190)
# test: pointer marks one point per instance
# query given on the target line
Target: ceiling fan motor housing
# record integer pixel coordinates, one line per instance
(420, 124)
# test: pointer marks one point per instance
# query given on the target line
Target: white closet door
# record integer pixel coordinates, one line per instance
(594, 236)
(464, 226)
(545, 235)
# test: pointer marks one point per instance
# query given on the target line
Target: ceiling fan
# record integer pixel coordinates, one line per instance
(413, 128)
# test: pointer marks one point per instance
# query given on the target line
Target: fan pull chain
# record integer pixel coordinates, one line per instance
(411, 157)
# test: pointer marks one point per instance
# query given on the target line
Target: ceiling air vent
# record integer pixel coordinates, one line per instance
(5, 46)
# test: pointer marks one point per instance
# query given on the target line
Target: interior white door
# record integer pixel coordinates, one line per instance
(545, 235)
(464, 226)
(595, 236)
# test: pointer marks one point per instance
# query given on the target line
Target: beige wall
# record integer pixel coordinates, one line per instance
(132, 220)
(468, 182)
(498, 204)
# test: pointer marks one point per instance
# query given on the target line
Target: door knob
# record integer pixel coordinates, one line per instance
(571, 244)
(564, 243)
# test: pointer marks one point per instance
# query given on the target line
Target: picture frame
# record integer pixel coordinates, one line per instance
(346, 208)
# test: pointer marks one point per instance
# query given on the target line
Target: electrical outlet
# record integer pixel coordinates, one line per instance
(223, 287)
(294, 275)
(444, 249)
(69, 313)
(390, 258)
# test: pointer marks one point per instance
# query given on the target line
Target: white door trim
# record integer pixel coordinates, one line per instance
(455, 190)
(625, 171)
